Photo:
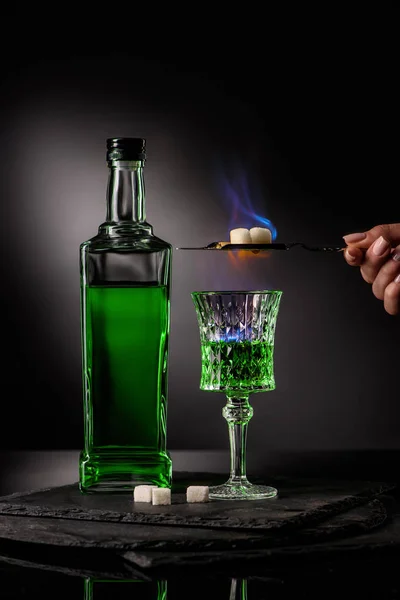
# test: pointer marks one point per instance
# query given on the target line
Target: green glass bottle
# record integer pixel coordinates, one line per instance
(125, 320)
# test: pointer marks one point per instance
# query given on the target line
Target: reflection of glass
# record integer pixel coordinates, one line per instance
(238, 589)
(237, 333)
(103, 589)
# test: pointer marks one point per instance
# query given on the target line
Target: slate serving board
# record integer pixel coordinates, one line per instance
(60, 525)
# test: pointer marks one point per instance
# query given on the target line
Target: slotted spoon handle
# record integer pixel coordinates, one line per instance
(264, 247)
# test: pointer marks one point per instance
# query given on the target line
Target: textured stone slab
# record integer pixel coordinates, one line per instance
(109, 550)
(298, 504)
(105, 534)
(342, 536)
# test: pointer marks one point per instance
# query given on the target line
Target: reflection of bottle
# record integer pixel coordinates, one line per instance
(125, 291)
(121, 589)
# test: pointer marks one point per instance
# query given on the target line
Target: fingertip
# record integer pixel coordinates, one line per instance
(352, 238)
(392, 310)
(353, 256)
(392, 297)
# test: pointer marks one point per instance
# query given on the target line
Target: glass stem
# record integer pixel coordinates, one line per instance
(238, 413)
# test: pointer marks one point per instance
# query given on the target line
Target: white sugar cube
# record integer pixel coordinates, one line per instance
(161, 496)
(197, 493)
(260, 235)
(240, 236)
(142, 493)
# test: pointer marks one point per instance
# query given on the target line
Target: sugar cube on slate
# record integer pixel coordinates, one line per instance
(142, 493)
(197, 493)
(161, 496)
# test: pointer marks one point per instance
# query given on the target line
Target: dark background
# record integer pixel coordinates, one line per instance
(298, 113)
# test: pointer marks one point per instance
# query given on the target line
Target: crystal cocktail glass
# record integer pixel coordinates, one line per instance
(237, 336)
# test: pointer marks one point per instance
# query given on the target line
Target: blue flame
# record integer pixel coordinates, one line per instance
(238, 193)
(235, 336)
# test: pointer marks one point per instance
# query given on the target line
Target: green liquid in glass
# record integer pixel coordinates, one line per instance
(243, 365)
(125, 357)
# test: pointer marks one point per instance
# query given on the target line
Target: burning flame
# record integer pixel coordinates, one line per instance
(240, 196)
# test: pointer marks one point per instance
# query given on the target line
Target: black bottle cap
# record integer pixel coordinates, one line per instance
(124, 148)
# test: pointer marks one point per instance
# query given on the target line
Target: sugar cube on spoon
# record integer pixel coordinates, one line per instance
(240, 236)
(260, 235)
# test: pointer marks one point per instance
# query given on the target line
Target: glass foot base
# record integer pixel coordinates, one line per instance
(241, 491)
(120, 470)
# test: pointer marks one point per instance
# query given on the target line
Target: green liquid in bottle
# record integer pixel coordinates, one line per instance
(125, 380)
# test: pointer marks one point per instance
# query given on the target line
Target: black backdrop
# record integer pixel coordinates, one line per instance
(305, 113)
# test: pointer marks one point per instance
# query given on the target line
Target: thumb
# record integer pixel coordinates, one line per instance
(390, 232)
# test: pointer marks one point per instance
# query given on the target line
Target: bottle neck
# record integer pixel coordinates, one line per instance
(126, 214)
(125, 193)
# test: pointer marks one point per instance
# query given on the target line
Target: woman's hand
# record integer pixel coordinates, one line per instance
(377, 253)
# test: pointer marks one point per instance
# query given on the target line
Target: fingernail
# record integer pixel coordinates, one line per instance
(396, 254)
(354, 237)
(351, 255)
(397, 280)
(380, 246)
